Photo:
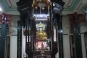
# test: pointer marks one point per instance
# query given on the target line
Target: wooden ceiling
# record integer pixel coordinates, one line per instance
(9, 6)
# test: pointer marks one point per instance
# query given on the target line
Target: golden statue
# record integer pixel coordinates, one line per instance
(41, 35)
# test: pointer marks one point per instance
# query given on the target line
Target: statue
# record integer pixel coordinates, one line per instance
(41, 35)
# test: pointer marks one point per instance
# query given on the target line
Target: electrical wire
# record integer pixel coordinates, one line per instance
(10, 3)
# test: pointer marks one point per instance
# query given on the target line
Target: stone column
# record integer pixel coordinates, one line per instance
(66, 46)
(13, 46)
(23, 44)
(83, 46)
(82, 30)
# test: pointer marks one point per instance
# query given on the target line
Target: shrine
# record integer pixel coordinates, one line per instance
(43, 29)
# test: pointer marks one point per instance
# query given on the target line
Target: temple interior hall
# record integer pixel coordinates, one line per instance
(43, 28)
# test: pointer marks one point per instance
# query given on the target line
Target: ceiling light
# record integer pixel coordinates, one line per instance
(41, 15)
(0, 9)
